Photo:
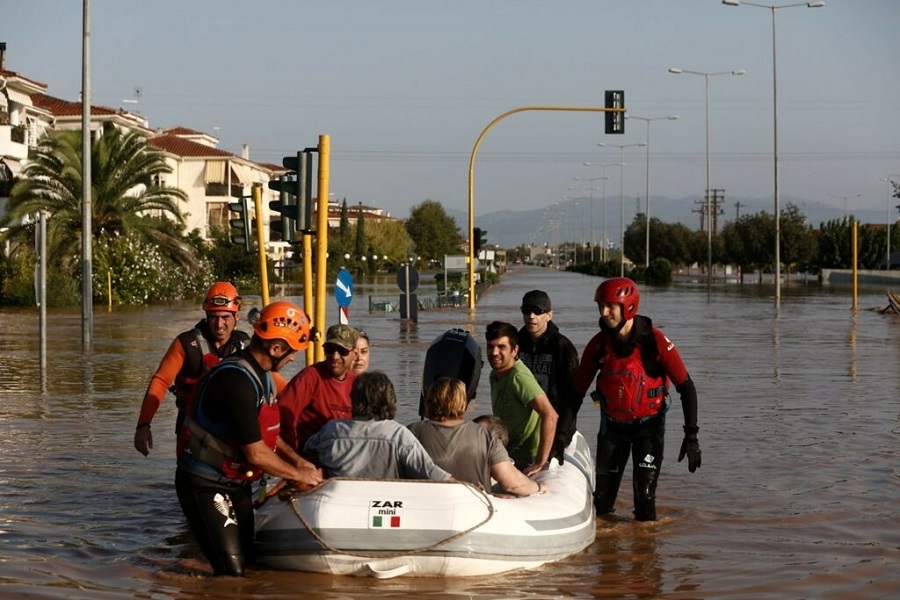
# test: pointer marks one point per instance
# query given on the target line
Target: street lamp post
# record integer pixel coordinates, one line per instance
(649, 120)
(591, 181)
(621, 148)
(774, 8)
(706, 75)
(845, 199)
(887, 206)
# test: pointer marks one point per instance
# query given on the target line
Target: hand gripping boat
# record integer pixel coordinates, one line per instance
(386, 528)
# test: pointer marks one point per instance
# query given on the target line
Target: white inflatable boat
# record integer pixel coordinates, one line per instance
(386, 528)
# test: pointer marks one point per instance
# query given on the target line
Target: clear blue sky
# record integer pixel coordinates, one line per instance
(404, 88)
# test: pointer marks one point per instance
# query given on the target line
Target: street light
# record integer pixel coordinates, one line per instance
(621, 148)
(591, 181)
(887, 205)
(604, 179)
(845, 199)
(774, 8)
(649, 120)
(706, 75)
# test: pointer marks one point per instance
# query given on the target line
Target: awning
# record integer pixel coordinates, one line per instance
(215, 172)
(243, 173)
(15, 167)
(18, 97)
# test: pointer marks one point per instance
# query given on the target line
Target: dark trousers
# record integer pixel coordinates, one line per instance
(644, 442)
(221, 518)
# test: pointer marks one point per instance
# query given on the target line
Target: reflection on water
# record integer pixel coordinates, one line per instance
(796, 498)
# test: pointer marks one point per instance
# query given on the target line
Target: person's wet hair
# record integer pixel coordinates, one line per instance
(372, 397)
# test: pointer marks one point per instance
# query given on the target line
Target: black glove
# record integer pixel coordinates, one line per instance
(690, 447)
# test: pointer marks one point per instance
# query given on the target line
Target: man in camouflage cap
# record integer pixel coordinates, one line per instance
(321, 391)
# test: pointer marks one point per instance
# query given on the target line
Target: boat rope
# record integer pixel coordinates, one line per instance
(293, 497)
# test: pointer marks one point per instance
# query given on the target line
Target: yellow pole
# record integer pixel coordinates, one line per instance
(472, 175)
(261, 243)
(855, 265)
(322, 239)
(308, 292)
(109, 288)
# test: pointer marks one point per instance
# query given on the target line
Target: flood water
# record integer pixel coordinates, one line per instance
(798, 495)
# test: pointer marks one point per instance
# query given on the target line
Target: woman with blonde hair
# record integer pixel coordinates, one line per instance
(467, 450)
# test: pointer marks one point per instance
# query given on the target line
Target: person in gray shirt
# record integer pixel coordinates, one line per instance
(372, 445)
(468, 450)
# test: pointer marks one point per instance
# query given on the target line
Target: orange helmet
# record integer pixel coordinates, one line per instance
(283, 321)
(222, 296)
(622, 291)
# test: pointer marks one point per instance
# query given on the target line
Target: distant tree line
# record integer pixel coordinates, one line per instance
(749, 243)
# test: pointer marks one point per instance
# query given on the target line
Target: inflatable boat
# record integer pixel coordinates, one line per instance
(387, 528)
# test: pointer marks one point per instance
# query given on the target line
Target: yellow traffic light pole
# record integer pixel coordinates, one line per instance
(322, 241)
(260, 243)
(472, 175)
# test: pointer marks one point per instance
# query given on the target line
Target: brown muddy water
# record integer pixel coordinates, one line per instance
(798, 495)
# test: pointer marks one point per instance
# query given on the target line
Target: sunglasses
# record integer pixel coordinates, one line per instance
(332, 348)
(532, 310)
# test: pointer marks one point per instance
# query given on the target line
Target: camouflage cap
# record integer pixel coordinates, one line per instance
(342, 335)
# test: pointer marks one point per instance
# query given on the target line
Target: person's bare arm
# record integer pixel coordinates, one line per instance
(541, 405)
(261, 456)
(513, 481)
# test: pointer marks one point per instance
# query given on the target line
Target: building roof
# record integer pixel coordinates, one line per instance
(180, 146)
(13, 75)
(179, 130)
(65, 108)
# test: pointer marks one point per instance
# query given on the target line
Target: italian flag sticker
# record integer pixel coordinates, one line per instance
(381, 521)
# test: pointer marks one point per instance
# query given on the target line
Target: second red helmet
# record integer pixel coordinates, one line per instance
(622, 291)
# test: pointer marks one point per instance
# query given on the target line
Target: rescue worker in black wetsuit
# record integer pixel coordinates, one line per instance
(230, 438)
(190, 355)
(634, 362)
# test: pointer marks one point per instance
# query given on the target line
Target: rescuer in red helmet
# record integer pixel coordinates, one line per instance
(633, 362)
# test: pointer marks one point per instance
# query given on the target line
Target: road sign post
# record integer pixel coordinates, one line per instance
(343, 294)
(408, 281)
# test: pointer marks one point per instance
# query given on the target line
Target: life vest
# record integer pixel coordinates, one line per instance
(199, 357)
(209, 449)
(627, 393)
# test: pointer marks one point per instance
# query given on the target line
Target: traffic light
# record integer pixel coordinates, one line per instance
(240, 227)
(285, 226)
(615, 120)
(295, 204)
(479, 237)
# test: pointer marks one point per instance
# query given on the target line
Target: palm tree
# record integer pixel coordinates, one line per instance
(125, 200)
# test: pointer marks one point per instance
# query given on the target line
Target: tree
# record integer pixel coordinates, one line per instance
(799, 245)
(433, 232)
(389, 238)
(125, 200)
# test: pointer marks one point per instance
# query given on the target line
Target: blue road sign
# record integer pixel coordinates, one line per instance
(343, 288)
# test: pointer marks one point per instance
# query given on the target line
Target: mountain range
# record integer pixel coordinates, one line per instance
(570, 220)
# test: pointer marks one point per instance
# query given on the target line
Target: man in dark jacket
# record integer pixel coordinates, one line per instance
(554, 362)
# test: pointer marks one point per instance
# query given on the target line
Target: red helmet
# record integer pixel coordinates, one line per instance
(622, 291)
(222, 296)
(283, 321)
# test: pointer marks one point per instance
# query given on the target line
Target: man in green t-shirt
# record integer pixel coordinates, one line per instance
(517, 398)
